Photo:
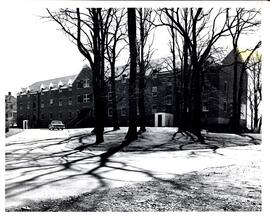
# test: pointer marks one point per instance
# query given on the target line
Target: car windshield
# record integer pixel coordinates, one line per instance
(57, 122)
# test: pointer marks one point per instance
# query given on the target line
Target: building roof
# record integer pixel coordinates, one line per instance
(53, 83)
(45, 85)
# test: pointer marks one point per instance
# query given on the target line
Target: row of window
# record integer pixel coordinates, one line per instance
(85, 98)
(205, 107)
(59, 116)
(124, 111)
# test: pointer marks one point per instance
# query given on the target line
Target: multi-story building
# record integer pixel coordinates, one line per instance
(11, 110)
(70, 99)
(64, 98)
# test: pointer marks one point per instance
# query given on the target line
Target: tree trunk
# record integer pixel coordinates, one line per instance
(196, 102)
(142, 75)
(132, 130)
(235, 122)
(255, 111)
(184, 113)
(114, 103)
(97, 82)
(175, 82)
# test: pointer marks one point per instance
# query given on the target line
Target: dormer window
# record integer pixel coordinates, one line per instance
(42, 87)
(70, 83)
(51, 86)
(60, 85)
(28, 91)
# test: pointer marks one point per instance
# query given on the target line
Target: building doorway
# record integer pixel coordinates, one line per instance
(159, 120)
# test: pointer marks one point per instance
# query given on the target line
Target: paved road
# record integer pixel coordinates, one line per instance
(39, 165)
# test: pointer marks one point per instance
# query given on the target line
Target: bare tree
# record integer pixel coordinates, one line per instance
(87, 30)
(146, 19)
(240, 21)
(199, 38)
(175, 77)
(116, 34)
(255, 90)
(132, 130)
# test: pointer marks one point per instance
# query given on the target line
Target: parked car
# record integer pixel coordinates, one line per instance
(55, 124)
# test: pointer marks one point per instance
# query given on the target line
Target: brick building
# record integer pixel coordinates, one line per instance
(11, 110)
(70, 99)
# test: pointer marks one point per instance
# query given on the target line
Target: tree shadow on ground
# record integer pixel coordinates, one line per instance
(204, 191)
(29, 166)
(31, 169)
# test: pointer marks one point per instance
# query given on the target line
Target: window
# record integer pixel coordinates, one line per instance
(34, 105)
(59, 115)
(80, 84)
(51, 115)
(42, 93)
(154, 91)
(70, 114)
(169, 86)
(79, 99)
(51, 102)
(70, 88)
(70, 101)
(109, 87)
(86, 98)
(123, 111)
(42, 104)
(110, 112)
(154, 109)
(168, 100)
(123, 80)
(42, 116)
(60, 90)
(60, 102)
(86, 83)
(225, 106)
(205, 107)
(28, 105)
(225, 86)
(109, 96)
(28, 94)
(21, 106)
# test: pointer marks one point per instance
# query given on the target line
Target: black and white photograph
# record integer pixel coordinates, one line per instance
(133, 107)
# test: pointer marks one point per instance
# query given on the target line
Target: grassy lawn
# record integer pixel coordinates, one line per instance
(230, 188)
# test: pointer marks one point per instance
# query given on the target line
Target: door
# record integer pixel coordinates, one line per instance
(159, 120)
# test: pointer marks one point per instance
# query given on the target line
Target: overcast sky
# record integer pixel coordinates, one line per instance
(35, 50)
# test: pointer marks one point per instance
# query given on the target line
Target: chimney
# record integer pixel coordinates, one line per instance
(9, 93)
